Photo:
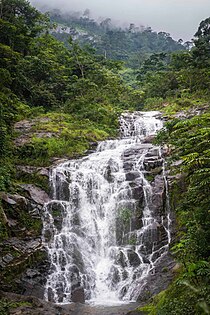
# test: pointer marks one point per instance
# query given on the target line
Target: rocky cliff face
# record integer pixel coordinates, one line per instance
(156, 238)
(23, 260)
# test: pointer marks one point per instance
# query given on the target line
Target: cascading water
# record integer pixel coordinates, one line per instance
(104, 230)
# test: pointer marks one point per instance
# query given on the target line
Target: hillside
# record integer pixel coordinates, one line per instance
(131, 45)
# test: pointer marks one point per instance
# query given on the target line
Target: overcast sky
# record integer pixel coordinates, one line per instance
(180, 18)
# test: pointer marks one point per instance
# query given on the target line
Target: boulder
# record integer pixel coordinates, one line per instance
(14, 200)
(159, 279)
(148, 139)
(138, 193)
(36, 194)
(30, 170)
(132, 175)
(78, 295)
(133, 258)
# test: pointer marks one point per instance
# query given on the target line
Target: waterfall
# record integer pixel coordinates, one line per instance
(107, 225)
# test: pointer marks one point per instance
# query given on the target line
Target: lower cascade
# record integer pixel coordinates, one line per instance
(108, 224)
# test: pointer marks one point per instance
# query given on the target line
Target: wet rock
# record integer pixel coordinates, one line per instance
(121, 259)
(132, 175)
(74, 277)
(78, 295)
(56, 209)
(128, 166)
(20, 252)
(114, 276)
(31, 273)
(108, 174)
(158, 196)
(158, 281)
(62, 188)
(152, 162)
(133, 258)
(138, 193)
(153, 152)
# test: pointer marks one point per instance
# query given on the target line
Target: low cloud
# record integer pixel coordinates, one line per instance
(180, 18)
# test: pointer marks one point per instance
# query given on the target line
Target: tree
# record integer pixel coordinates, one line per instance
(20, 23)
(86, 14)
(106, 23)
(201, 51)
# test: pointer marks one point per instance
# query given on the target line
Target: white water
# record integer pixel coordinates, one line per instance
(91, 232)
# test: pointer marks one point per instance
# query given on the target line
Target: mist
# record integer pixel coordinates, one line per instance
(180, 18)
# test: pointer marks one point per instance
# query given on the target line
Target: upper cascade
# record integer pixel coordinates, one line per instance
(108, 225)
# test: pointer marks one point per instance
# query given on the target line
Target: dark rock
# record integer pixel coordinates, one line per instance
(152, 162)
(132, 175)
(153, 152)
(138, 193)
(35, 213)
(108, 174)
(43, 171)
(158, 280)
(62, 188)
(32, 273)
(13, 200)
(8, 258)
(78, 295)
(74, 277)
(121, 259)
(158, 196)
(7, 199)
(128, 166)
(36, 306)
(133, 258)
(2, 263)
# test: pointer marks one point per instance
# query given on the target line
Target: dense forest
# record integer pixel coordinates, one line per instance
(69, 94)
(132, 45)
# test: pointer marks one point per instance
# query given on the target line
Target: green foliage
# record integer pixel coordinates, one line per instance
(69, 137)
(189, 140)
(39, 74)
(171, 75)
(178, 299)
(5, 177)
(6, 306)
(20, 22)
(125, 215)
(201, 51)
(153, 102)
(3, 228)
